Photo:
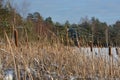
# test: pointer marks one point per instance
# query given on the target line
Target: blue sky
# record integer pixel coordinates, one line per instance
(72, 10)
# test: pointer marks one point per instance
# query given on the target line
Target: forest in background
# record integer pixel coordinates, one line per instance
(35, 27)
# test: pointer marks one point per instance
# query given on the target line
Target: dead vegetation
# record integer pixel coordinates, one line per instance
(53, 61)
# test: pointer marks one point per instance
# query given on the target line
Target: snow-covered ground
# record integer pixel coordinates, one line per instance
(100, 52)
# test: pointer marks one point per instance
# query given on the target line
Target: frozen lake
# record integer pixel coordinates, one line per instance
(97, 52)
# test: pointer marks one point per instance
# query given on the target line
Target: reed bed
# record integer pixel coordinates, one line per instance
(46, 61)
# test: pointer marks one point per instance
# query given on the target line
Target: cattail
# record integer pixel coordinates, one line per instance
(16, 37)
(110, 54)
(117, 52)
(91, 46)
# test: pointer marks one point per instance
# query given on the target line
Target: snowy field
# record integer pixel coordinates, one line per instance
(100, 52)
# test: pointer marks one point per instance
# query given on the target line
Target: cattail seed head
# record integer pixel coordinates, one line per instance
(110, 53)
(16, 37)
(117, 52)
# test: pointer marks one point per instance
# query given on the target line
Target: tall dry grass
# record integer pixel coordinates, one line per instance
(43, 60)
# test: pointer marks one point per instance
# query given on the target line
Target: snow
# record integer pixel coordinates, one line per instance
(97, 52)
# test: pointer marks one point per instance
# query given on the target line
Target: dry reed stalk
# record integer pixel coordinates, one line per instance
(67, 41)
(13, 56)
(26, 38)
(111, 66)
(84, 69)
(93, 66)
(25, 63)
(78, 44)
(102, 66)
(106, 65)
(111, 61)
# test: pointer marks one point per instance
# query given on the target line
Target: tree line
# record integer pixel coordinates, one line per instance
(34, 26)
